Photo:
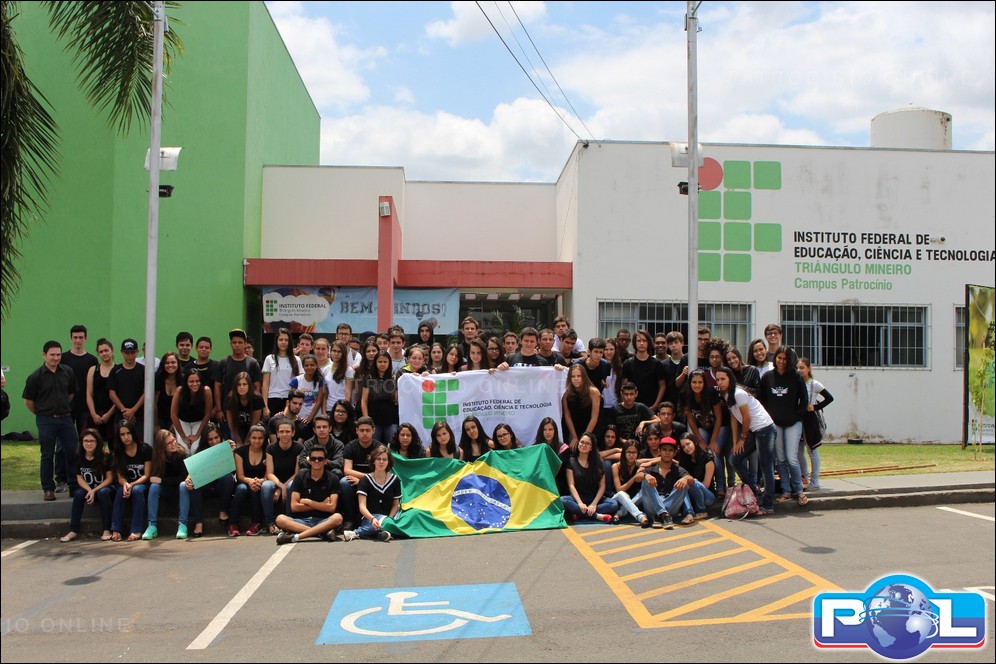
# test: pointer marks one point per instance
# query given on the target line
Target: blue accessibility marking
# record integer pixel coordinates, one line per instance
(425, 614)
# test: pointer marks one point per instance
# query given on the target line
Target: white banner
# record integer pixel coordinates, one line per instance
(520, 397)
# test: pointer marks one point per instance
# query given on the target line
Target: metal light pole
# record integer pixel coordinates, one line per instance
(159, 18)
(692, 28)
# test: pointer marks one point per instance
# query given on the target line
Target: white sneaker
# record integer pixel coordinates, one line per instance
(384, 536)
(349, 535)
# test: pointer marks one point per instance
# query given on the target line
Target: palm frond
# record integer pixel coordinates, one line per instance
(112, 45)
(29, 154)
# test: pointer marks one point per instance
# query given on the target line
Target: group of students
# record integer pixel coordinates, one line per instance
(335, 401)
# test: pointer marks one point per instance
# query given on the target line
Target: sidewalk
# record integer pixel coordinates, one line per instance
(24, 515)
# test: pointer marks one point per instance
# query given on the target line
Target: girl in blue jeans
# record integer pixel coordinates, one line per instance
(133, 463)
(586, 484)
(94, 476)
(752, 430)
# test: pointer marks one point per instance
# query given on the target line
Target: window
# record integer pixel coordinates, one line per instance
(729, 320)
(960, 331)
(842, 335)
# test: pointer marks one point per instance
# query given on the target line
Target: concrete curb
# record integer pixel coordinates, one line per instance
(818, 502)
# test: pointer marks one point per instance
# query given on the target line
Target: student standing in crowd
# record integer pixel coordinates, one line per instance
(818, 398)
(48, 394)
(98, 397)
(783, 395)
(126, 385)
(279, 368)
(80, 361)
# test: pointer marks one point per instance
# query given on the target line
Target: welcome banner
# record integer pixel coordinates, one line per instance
(520, 397)
(319, 310)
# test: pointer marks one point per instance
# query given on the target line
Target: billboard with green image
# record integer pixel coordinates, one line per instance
(980, 302)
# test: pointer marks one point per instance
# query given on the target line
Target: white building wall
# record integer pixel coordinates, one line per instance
(632, 188)
(479, 221)
(325, 212)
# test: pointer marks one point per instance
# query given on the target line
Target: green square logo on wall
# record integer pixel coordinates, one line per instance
(710, 205)
(767, 175)
(736, 267)
(726, 247)
(736, 205)
(767, 237)
(736, 236)
(710, 266)
(710, 236)
(736, 174)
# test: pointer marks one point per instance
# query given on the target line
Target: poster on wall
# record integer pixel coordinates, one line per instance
(980, 304)
(321, 309)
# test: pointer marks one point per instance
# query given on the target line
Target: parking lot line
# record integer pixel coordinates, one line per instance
(221, 620)
(16, 548)
(984, 517)
(695, 551)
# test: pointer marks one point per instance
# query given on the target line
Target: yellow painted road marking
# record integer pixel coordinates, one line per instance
(746, 561)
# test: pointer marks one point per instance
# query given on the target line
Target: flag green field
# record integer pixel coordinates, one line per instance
(502, 491)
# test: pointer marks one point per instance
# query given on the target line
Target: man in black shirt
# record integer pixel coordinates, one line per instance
(314, 498)
(230, 367)
(80, 361)
(48, 393)
(126, 386)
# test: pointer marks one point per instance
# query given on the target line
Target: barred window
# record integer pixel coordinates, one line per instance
(730, 320)
(842, 335)
(960, 331)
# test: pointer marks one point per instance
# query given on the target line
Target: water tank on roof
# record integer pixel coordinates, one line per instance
(912, 127)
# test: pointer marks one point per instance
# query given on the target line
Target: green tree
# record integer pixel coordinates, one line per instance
(112, 47)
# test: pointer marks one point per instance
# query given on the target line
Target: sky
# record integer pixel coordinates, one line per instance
(430, 86)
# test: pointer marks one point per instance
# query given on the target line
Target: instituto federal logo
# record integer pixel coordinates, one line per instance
(899, 617)
(435, 405)
(727, 245)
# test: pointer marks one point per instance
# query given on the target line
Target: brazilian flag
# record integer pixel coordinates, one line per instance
(502, 490)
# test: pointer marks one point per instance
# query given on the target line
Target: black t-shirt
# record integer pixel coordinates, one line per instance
(646, 375)
(249, 469)
(80, 364)
(360, 455)
(205, 371)
(133, 467)
(554, 358)
(317, 490)
(93, 472)
(697, 467)
(228, 369)
(520, 360)
(626, 419)
(380, 497)
(671, 371)
(245, 413)
(284, 461)
(586, 480)
(128, 384)
(599, 374)
(665, 483)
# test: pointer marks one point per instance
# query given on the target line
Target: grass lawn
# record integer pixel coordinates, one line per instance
(20, 460)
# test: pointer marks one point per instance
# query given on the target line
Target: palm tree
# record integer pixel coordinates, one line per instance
(111, 44)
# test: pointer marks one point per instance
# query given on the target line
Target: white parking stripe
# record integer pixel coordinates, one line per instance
(977, 516)
(17, 548)
(222, 619)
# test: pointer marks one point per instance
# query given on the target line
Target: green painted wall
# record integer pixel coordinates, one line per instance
(234, 103)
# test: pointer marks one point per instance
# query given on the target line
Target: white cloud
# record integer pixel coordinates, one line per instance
(330, 70)
(523, 141)
(469, 25)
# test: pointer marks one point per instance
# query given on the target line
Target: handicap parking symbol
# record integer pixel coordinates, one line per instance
(422, 614)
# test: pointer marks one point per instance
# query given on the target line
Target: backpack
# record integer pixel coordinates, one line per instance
(740, 502)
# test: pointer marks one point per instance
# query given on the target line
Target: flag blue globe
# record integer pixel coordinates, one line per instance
(901, 619)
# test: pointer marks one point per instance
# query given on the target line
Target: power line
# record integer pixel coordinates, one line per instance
(564, 94)
(545, 98)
